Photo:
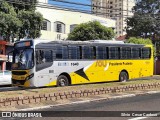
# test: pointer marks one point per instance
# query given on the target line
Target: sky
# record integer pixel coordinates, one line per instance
(68, 5)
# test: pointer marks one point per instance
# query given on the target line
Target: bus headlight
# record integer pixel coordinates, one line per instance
(29, 77)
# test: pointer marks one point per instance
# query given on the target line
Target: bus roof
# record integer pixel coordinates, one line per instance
(83, 43)
(107, 41)
(89, 42)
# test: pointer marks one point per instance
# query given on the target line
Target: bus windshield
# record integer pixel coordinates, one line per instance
(23, 59)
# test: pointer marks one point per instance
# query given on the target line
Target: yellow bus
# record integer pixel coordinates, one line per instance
(38, 63)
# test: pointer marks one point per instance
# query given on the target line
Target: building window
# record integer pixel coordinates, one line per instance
(72, 27)
(59, 27)
(46, 25)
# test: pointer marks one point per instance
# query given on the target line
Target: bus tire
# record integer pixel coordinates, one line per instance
(123, 76)
(62, 81)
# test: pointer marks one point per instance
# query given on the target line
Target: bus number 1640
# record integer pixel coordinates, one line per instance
(74, 64)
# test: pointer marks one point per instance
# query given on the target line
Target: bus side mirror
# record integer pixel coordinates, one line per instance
(10, 55)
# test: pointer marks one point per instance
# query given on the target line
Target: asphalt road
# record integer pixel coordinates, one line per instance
(138, 103)
(142, 102)
(132, 105)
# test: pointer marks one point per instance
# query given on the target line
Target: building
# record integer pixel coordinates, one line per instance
(118, 10)
(59, 22)
(5, 48)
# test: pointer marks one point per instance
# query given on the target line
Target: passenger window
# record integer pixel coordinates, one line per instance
(100, 52)
(48, 55)
(146, 52)
(136, 53)
(125, 53)
(93, 52)
(114, 53)
(73, 52)
(44, 59)
(58, 52)
(65, 52)
(86, 54)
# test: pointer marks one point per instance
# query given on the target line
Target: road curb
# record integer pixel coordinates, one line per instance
(88, 101)
(42, 98)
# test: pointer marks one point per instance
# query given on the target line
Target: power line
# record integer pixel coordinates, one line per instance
(65, 7)
(44, 5)
(91, 6)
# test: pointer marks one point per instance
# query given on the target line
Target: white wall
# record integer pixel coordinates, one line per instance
(68, 18)
(43, 1)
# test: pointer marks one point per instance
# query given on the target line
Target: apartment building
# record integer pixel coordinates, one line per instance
(118, 10)
(59, 22)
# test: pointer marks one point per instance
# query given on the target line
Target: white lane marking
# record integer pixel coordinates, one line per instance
(152, 92)
(141, 118)
(138, 118)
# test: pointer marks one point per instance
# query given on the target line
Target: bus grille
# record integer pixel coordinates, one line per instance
(19, 72)
(21, 82)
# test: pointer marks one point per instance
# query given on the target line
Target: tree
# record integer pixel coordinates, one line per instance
(20, 19)
(142, 41)
(23, 5)
(91, 31)
(31, 24)
(139, 41)
(9, 23)
(146, 19)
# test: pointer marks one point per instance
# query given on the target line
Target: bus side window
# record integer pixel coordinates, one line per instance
(39, 56)
(126, 53)
(58, 52)
(44, 59)
(86, 52)
(136, 53)
(48, 56)
(43, 56)
(146, 53)
(114, 53)
(72, 52)
(65, 52)
(79, 52)
(93, 52)
(107, 53)
(100, 52)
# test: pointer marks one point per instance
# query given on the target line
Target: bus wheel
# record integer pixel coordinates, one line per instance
(62, 81)
(123, 77)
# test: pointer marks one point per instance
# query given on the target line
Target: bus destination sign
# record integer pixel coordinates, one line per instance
(23, 44)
